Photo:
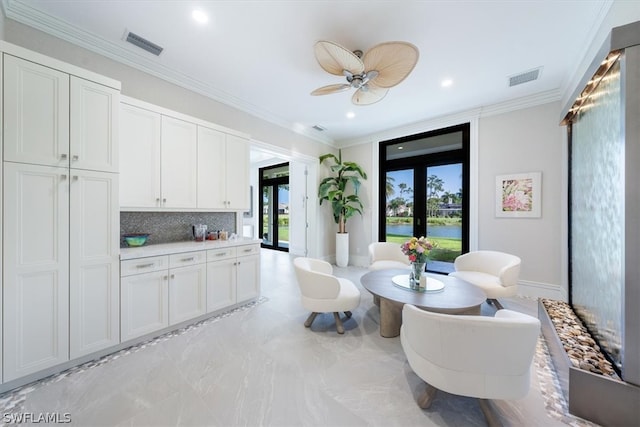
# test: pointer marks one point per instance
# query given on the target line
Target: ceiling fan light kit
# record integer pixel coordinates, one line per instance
(372, 74)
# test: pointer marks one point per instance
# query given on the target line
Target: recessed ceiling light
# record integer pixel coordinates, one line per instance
(200, 17)
(446, 83)
(400, 147)
(350, 115)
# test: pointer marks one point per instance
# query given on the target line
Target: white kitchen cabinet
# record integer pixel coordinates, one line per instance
(248, 277)
(94, 126)
(187, 286)
(187, 293)
(94, 277)
(60, 240)
(61, 279)
(178, 163)
(144, 299)
(139, 157)
(237, 157)
(233, 276)
(36, 113)
(223, 170)
(221, 278)
(54, 119)
(170, 161)
(212, 192)
(36, 268)
(158, 160)
(161, 291)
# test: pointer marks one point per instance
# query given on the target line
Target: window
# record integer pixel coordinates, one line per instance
(423, 182)
(274, 206)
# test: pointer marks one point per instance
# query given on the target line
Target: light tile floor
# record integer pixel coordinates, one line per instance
(259, 366)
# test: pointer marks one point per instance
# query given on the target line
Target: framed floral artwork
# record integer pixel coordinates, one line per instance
(519, 195)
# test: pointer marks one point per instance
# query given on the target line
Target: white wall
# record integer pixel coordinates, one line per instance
(2, 20)
(360, 227)
(528, 140)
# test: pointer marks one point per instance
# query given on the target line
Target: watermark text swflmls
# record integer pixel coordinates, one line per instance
(35, 418)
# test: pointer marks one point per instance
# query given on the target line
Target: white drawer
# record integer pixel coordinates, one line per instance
(143, 265)
(220, 254)
(248, 250)
(187, 258)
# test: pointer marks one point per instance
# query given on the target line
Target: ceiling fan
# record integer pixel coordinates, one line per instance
(383, 66)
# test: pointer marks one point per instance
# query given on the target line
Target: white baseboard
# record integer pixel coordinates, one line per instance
(541, 290)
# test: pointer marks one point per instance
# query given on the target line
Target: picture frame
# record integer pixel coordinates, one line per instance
(519, 195)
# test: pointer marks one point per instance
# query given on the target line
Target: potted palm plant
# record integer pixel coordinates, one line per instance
(341, 191)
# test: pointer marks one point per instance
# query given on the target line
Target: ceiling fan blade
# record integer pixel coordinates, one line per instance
(392, 60)
(370, 95)
(326, 90)
(334, 58)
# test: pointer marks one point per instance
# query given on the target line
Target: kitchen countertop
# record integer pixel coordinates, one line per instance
(179, 247)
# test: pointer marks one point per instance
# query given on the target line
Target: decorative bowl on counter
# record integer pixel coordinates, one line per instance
(136, 239)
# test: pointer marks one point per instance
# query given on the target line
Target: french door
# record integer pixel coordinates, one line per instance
(274, 207)
(422, 192)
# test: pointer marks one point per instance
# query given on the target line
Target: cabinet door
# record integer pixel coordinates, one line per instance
(211, 169)
(179, 163)
(144, 304)
(36, 113)
(238, 181)
(36, 268)
(139, 157)
(248, 278)
(94, 277)
(187, 293)
(221, 284)
(94, 126)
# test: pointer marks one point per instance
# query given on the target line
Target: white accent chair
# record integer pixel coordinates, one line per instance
(385, 255)
(496, 273)
(322, 292)
(475, 356)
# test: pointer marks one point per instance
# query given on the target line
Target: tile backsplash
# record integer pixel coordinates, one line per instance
(167, 227)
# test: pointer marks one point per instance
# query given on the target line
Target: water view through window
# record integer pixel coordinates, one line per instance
(424, 181)
(443, 208)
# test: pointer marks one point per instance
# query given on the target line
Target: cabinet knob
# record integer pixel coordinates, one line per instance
(173, 276)
(165, 277)
(63, 157)
(63, 177)
(74, 158)
(75, 177)
(164, 200)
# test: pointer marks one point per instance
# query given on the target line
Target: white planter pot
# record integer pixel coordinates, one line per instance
(342, 249)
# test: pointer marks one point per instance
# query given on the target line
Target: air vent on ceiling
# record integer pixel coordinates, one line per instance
(525, 77)
(143, 43)
(318, 128)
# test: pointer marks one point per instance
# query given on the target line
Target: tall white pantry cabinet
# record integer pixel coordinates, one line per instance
(60, 216)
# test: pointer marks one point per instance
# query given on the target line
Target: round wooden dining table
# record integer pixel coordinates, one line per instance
(457, 297)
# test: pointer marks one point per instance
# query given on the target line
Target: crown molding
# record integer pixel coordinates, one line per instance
(33, 17)
(456, 118)
(534, 100)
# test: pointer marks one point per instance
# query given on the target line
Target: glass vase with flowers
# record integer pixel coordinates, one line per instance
(417, 249)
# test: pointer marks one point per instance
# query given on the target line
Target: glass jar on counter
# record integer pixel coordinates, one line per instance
(212, 235)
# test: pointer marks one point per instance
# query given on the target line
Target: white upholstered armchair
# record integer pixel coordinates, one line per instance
(322, 292)
(474, 356)
(496, 273)
(387, 255)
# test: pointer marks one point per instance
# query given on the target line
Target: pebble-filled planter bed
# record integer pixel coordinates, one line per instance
(588, 381)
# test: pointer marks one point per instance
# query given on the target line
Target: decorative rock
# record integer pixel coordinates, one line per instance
(581, 348)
